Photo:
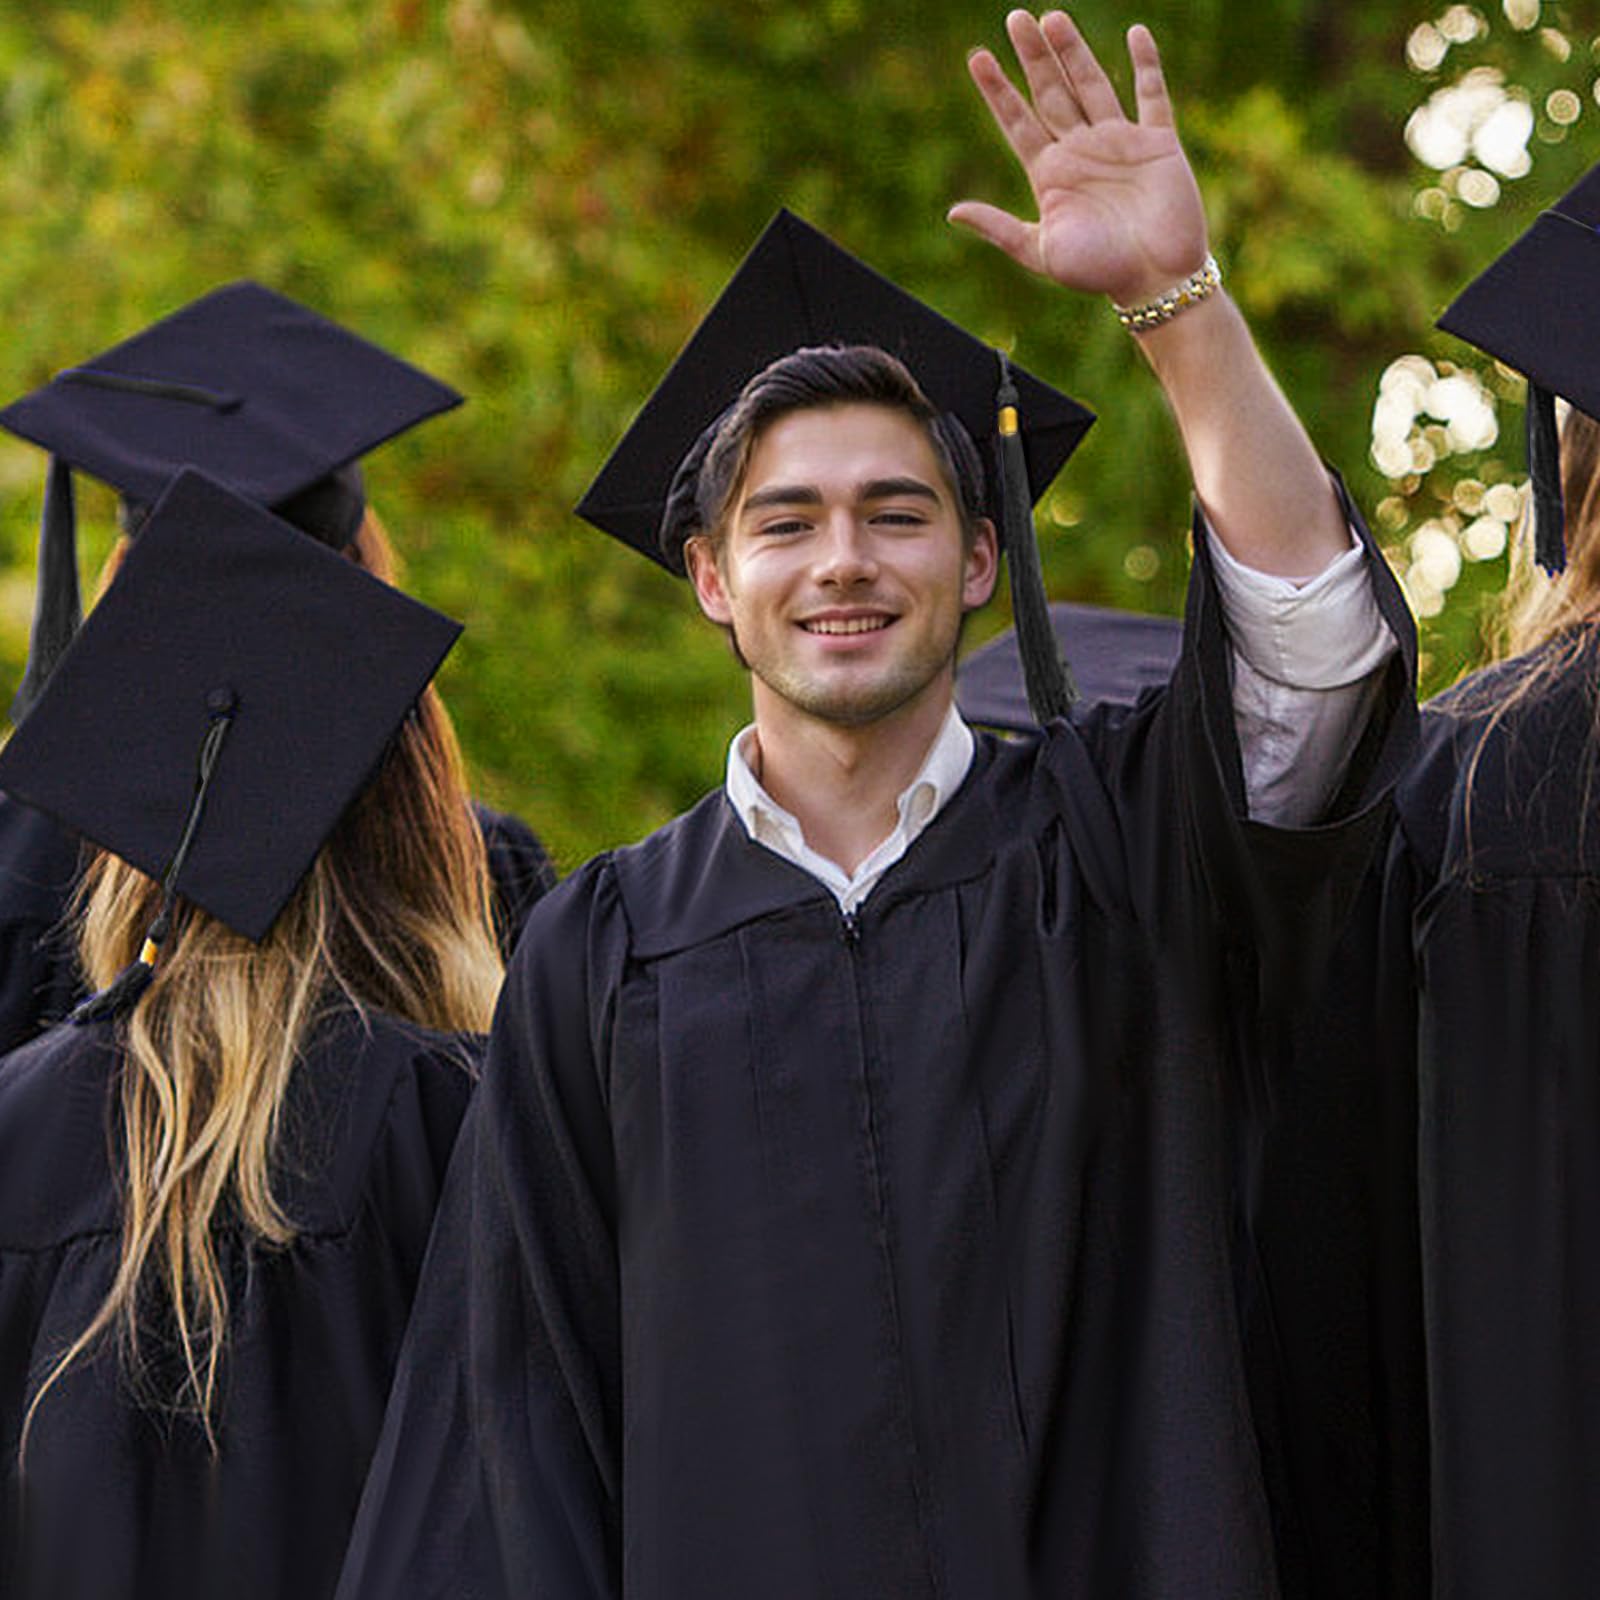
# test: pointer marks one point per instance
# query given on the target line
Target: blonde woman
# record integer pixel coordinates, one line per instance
(217, 1182)
(277, 403)
(1494, 901)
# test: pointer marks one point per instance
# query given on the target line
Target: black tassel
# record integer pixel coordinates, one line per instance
(122, 996)
(1045, 674)
(127, 988)
(57, 610)
(1544, 479)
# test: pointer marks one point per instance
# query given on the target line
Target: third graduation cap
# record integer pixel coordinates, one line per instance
(796, 288)
(1532, 310)
(271, 399)
(223, 616)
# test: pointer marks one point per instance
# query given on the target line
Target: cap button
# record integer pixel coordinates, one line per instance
(221, 701)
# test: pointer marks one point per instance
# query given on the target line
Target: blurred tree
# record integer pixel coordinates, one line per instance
(537, 200)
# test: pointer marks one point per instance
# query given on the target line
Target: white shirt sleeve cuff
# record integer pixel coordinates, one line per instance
(1314, 633)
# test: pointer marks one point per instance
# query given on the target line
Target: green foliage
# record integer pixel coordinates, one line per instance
(537, 200)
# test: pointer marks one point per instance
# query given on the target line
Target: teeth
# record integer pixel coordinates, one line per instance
(852, 625)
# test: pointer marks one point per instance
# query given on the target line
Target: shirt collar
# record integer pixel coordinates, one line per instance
(940, 775)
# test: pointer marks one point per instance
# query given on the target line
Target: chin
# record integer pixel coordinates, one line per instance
(854, 705)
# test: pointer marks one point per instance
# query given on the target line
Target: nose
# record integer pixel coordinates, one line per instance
(844, 553)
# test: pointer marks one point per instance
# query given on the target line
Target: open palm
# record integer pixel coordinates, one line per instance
(1119, 211)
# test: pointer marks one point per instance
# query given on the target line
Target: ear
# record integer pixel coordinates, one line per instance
(981, 566)
(706, 576)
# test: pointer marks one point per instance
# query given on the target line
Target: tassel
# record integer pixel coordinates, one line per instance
(122, 996)
(57, 610)
(1045, 674)
(126, 990)
(1544, 481)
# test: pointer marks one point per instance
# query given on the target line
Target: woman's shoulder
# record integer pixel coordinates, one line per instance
(55, 1137)
(372, 1094)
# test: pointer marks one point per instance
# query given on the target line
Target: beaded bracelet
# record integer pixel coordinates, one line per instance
(1199, 285)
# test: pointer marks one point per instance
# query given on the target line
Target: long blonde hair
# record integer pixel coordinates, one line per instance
(393, 916)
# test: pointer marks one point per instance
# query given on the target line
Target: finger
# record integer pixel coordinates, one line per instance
(1012, 114)
(1089, 82)
(1053, 100)
(1019, 239)
(1150, 97)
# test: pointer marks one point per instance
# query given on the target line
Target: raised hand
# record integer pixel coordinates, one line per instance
(1119, 211)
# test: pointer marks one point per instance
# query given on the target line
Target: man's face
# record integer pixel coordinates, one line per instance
(843, 574)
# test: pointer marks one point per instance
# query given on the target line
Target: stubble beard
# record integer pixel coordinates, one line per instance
(851, 705)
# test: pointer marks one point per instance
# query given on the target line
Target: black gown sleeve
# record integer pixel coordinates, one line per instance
(498, 1473)
(38, 966)
(1198, 865)
(521, 872)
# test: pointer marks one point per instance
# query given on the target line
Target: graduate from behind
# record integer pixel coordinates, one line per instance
(217, 1179)
(847, 1208)
(277, 403)
(1494, 892)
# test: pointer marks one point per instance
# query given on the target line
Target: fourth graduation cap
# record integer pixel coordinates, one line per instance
(231, 694)
(796, 288)
(269, 398)
(1532, 309)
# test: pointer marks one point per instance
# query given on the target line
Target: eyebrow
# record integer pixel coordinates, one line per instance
(806, 494)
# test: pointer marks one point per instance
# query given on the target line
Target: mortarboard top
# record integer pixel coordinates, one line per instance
(1529, 309)
(1114, 655)
(271, 399)
(221, 606)
(243, 384)
(797, 288)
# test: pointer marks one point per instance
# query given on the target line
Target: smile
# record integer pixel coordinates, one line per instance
(847, 625)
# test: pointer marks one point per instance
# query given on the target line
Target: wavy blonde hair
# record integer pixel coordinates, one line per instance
(393, 916)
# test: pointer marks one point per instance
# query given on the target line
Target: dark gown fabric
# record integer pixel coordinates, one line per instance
(121, 1499)
(38, 868)
(1498, 870)
(797, 1255)
(39, 982)
(1331, 1291)
(521, 872)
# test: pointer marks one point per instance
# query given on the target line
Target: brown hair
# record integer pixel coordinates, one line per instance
(824, 375)
(393, 916)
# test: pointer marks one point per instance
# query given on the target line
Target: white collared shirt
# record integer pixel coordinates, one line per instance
(920, 802)
(1306, 656)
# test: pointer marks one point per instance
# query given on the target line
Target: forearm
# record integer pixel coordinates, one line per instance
(1265, 491)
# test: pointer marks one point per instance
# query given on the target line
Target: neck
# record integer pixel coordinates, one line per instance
(842, 783)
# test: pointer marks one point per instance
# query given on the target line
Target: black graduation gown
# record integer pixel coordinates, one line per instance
(521, 872)
(38, 869)
(124, 1500)
(1332, 1274)
(801, 1255)
(1498, 870)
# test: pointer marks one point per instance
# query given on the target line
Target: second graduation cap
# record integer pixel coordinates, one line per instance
(268, 397)
(222, 613)
(797, 288)
(1533, 309)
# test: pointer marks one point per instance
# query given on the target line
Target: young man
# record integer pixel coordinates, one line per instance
(846, 1207)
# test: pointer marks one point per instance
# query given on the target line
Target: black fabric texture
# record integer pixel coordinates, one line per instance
(123, 1497)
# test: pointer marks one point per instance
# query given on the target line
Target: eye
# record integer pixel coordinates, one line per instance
(780, 526)
(897, 517)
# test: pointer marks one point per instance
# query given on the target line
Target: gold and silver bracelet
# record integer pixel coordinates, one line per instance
(1199, 285)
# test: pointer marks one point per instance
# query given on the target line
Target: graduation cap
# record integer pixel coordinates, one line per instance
(1115, 656)
(1531, 310)
(266, 396)
(224, 703)
(796, 289)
